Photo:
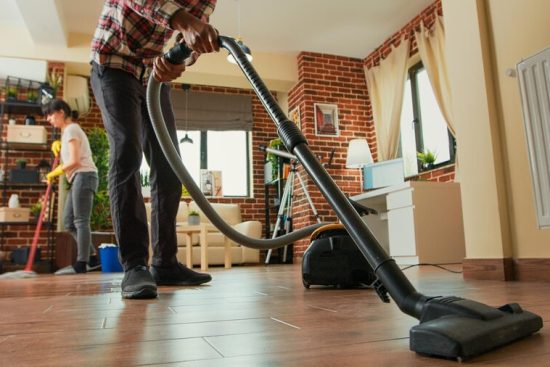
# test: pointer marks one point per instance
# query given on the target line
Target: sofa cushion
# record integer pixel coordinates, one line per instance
(230, 213)
(183, 210)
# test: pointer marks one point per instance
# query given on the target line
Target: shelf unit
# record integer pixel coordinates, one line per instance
(8, 109)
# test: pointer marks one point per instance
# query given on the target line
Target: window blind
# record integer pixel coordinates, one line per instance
(211, 111)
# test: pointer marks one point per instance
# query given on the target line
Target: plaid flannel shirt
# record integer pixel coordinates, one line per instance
(131, 33)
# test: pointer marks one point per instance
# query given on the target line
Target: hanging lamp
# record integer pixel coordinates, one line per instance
(186, 138)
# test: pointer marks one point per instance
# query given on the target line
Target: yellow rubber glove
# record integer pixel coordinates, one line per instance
(56, 147)
(56, 172)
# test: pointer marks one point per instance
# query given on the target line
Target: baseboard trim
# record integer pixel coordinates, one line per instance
(488, 269)
(532, 270)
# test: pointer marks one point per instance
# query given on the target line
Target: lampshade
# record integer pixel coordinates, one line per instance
(245, 49)
(358, 154)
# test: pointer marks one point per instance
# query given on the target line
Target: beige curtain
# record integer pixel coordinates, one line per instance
(431, 47)
(386, 84)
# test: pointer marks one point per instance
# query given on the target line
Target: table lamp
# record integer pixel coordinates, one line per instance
(359, 155)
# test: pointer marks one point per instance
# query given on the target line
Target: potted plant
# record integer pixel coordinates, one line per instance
(272, 164)
(36, 208)
(32, 96)
(21, 163)
(54, 79)
(427, 159)
(193, 218)
(101, 211)
(12, 93)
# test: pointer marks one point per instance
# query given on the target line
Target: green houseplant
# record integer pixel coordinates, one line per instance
(32, 96)
(101, 210)
(11, 92)
(36, 208)
(55, 80)
(427, 158)
(272, 159)
(193, 218)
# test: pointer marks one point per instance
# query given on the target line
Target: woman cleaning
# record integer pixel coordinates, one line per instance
(77, 164)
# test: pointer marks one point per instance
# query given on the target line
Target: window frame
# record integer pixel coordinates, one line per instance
(412, 74)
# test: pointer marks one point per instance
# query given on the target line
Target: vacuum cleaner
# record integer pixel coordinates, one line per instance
(450, 327)
(333, 259)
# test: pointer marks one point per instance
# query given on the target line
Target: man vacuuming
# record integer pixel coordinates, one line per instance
(127, 46)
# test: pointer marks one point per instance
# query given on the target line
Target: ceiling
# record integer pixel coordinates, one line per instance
(350, 28)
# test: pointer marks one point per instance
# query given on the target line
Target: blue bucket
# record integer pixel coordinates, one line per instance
(110, 263)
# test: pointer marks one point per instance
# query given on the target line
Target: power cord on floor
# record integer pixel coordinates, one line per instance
(437, 266)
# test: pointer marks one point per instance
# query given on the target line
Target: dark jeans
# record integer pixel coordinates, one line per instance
(121, 98)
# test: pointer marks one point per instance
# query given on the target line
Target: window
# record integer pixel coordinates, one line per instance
(423, 127)
(226, 151)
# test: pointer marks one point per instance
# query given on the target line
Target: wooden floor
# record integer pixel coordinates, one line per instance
(247, 316)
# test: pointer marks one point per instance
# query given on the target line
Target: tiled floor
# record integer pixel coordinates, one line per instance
(247, 316)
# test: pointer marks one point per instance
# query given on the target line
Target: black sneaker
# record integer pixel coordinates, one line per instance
(93, 264)
(178, 274)
(138, 283)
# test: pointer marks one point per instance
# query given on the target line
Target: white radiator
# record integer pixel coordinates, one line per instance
(534, 84)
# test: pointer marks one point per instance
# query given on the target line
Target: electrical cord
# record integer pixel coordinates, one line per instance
(435, 265)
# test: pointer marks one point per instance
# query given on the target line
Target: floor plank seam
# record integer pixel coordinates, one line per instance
(213, 346)
(48, 309)
(282, 287)
(286, 323)
(322, 308)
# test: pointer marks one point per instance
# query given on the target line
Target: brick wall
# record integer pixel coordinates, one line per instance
(332, 80)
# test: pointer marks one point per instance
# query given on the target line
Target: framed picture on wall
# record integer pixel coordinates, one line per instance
(326, 119)
(294, 116)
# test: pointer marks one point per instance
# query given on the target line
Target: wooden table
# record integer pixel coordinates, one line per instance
(202, 229)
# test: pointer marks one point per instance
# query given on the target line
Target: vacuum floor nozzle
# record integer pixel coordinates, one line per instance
(457, 328)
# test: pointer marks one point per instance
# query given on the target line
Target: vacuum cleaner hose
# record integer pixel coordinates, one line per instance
(176, 56)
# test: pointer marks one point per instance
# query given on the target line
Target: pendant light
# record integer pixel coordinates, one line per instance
(239, 40)
(186, 138)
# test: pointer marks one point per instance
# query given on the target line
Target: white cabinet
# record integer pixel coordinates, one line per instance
(417, 222)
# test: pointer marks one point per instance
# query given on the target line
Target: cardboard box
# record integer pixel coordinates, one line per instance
(27, 134)
(14, 214)
(382, 174)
